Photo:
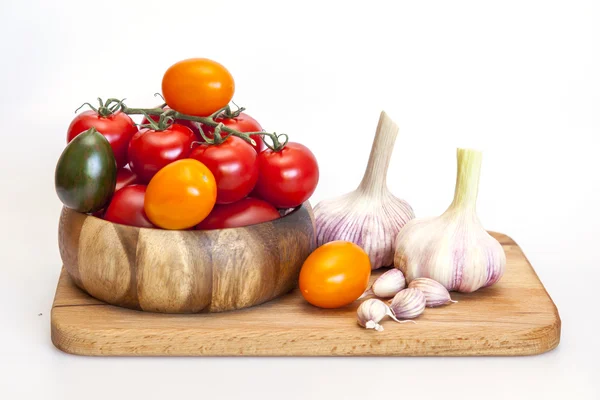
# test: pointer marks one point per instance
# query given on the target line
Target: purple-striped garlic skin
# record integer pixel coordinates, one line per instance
(371, 223)
(453, 249)
(408, 303)
(371, 312)
(389, 283)
(435, 293)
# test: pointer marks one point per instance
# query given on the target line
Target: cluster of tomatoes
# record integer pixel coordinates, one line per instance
(177, 173)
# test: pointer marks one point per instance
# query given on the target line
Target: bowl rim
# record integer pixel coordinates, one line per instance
(294, 210)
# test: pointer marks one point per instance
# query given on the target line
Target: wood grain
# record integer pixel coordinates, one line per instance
(514, 317)
(185, 271)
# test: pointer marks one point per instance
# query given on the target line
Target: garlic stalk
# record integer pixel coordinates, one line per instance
(387, 285)
(453, 249)
(408, 303)
(371, 312)
(435, 293)
(371, 216)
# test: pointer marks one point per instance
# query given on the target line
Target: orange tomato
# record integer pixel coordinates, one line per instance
(197, 86)
(180, 195)
(335, 274)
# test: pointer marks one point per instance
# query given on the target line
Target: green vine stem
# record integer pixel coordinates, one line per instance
(277, 142)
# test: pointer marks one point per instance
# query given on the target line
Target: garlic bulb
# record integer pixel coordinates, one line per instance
(371, 216)
(435, 293)
(409, 303)
(371, 312)
(453, 249)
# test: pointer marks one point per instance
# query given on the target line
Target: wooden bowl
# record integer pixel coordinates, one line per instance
(185, 271)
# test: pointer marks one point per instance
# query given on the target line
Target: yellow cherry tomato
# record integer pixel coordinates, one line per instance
(335, 274)
(180, 195)
(197, 86)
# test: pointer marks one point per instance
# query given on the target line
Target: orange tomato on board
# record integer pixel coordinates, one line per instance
(180, 195)
(335, 274)
(197, 86)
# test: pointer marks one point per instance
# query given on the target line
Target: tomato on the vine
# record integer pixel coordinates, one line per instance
(287, 177)
(185, 122)
(150, 150)
(241, 123)
(241, 213)
(127, 207)
(335, 274)
(234, 165)
(197, 86)
(126, 177)
(118, 128)
(180, 195)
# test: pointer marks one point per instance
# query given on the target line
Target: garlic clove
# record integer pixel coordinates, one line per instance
(389, 283)
(371, 216)
(408, 303)
(453, 249)
(372, 311)
(435, 293)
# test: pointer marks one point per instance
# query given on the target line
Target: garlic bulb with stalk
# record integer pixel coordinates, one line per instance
(453, 249)
(371, 216)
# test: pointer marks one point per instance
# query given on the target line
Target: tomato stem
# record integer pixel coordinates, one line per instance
(105, 109)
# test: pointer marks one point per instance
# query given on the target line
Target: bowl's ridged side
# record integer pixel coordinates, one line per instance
(185, 271)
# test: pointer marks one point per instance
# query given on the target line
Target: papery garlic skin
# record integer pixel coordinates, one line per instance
(435, 293)
(389, 283)
(453, 249)
(408, 303)
(371, 216)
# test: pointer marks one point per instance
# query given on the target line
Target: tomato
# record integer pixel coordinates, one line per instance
(197, 86)
(127, 207)
(335, 274)
(185, 122)
(234, 165)
(126, 177)
(180, 195)
(118, 128)
(150, 150)
(288, 177)
(241, 123)
(241, 213)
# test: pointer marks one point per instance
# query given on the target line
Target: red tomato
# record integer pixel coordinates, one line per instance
(125, 177)
(184, 122)
(234, 165)
(241, 123)
(241, 213)
(118, 128)
(127, 207)
(288, 177)
(150, 150)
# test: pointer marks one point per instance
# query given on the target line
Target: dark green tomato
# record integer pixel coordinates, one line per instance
(86, 173)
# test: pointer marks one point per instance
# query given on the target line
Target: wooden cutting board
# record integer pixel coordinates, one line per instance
(514, 317)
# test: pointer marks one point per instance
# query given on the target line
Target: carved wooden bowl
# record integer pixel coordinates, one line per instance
(185, 271)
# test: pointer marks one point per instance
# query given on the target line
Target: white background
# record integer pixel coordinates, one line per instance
(518, 79)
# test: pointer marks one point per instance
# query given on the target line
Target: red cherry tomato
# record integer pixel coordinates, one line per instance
(234, 165)
(185, 122)
(288, 177)
(127, 207)
(126, 177)
(241, 123)
(241, 213)
(151, 150)
(118, 128)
